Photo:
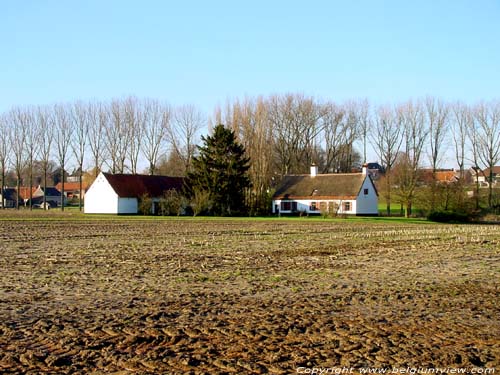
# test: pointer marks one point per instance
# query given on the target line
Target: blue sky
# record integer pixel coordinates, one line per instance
(205, 52)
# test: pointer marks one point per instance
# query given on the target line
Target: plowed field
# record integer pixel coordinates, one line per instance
(241, 296)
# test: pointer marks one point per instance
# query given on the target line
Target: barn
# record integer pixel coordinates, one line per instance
(120, 193)
(337, 194)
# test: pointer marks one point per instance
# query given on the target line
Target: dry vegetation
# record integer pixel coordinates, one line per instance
(245, 296)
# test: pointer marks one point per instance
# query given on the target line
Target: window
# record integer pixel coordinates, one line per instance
(365, 191)
(288, 206)
(347, 206)
(313, 207)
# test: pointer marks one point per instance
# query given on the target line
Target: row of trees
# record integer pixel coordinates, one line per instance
(286, 133)
(113, 135)
(282, 134)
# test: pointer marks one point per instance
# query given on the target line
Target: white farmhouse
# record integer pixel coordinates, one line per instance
(120, 193)
(339, 193)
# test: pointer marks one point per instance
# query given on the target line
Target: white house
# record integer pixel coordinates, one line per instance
(120, 193)
(340, 193)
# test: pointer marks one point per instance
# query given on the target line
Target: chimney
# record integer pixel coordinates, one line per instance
(314, 170)
(364, 170)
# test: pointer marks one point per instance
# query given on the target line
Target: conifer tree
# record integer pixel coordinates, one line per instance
(221, 170)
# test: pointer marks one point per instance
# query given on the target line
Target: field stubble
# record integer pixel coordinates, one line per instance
(195, 296)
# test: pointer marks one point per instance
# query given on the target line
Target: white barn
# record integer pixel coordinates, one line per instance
(120, 193)
(339, 193)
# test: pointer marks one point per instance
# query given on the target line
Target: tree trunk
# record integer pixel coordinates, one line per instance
(45, 187)
(17, 193)
(80, 191)
(62, 187)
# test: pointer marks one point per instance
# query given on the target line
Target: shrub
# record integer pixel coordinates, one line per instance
(171, 204)
(448, 217)
(145, 204)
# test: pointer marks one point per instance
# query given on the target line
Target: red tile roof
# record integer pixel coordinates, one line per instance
(136, 185)
(72, 186)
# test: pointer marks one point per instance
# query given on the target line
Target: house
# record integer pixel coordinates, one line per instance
(52, 195)
(483, 176)
(375, 170)
(8, 197)
(440, 176)
(121, 193)
(342, 193)
(495, 174)
(72, 189)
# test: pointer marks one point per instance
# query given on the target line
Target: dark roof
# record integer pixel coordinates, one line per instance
(339, 185)
(9, 194)
(51, 191)
(137, 185)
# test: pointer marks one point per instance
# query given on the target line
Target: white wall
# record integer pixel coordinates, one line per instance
(101, 198)
(367, 204)
(304, 206)
(127, 205)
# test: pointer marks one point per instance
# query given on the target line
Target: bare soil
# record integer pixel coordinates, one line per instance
(229, 296)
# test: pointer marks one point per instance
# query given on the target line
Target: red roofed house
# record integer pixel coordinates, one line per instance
(120, 193)
(72, 189)
(342, 193)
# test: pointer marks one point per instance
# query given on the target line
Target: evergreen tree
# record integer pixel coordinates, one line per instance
(221, 171)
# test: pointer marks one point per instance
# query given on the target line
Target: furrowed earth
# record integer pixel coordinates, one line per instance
(208, 296)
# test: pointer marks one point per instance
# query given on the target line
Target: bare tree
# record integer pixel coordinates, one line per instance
(488, 117)
(364, 123)
(183, 132)
(45, 121)
(98, 118)
(4, 154)
(474, 139)
(251, 125)
(461, 120)
(134, 120)
(437, 119)
(62, 137)
(155, 127)
(32, 145)
(386, 139)
(414, 136)
(295, 123)
(339, 131)
(117, 136)
(80, 113)
(19, 120)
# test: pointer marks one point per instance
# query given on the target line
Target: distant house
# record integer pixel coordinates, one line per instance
(483, 176)
(343, 193)
(72, 189)
(8, 197)
(121, 193)
(375, 170)
(495, 174)
(52, 195)
(441, 176)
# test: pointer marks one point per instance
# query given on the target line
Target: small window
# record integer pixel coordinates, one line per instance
(286, 206)
(365, 191)
(347, 206)
(313, 207)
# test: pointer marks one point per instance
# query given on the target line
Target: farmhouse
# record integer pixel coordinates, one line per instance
(52, 195)
(121, 193)
(342, 193)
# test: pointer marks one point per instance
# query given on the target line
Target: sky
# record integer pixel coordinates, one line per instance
(208, 52)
